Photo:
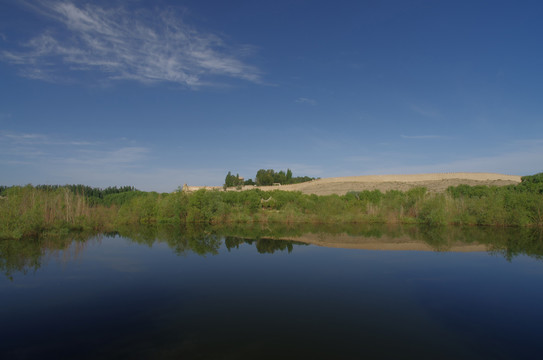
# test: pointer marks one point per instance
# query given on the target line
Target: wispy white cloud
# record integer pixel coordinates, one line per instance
(513, 162)
(303, 100)
(419, 137)
(120, 43)
(147, 178)
(517, 157)
(45, 158)
(45, 148)
(54, 159)
(359, 158)
(39, 139)
(22, 137)
(425, 111)
(124, 156)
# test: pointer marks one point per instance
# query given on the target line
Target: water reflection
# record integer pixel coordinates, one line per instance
(26, 256)
(272, 291)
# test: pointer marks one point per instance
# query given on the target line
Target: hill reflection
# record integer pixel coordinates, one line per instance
(28, 255)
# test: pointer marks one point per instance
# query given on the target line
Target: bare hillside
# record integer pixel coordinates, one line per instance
(433, 182)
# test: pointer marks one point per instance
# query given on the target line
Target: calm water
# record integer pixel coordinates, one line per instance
(230, 294)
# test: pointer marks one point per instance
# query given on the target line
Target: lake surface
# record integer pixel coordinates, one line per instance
(330, 293)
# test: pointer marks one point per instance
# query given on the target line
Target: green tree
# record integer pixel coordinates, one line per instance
(265, 177)
(232, 180)
(280, 177)
(289, 176)
(249, 182)
(228, 180)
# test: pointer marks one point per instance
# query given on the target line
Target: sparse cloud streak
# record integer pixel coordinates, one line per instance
(147, 46)
(508, 159)
(303, 100)
(43, 148)
(421, 137)
(425, 111)
(53, 159)
(38, 139)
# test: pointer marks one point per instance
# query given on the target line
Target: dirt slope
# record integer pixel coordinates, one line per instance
(433, 182)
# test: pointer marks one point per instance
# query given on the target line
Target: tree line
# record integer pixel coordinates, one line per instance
(266, 178)
(79, 189)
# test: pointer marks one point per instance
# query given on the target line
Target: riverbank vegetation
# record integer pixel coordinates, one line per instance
(32, 210)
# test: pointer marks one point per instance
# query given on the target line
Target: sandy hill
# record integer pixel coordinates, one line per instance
(402, 243)
(433, 182)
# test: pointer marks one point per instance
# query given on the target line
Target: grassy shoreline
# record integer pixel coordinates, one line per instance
(29, 210)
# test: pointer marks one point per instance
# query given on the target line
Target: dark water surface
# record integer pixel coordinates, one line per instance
(208, 295)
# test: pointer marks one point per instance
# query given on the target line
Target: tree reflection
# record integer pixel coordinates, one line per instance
(27, 255)
(263, 245)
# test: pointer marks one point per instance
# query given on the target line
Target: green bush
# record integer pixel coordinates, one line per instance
(30, 210)
(432, 211)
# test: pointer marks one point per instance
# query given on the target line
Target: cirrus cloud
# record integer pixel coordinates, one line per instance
(303, 100)
(143, 45)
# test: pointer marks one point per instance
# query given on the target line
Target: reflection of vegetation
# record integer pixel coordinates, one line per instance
(19, 256)
(23, 256)
(263, 245)
(526, 242)
(181, 240)
(508, 242)
(26, 255)
(269, 246)
(435, 236)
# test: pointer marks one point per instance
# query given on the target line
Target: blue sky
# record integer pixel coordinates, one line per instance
(156, 94)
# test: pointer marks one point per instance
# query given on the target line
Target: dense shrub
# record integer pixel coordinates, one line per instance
(30, 210)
